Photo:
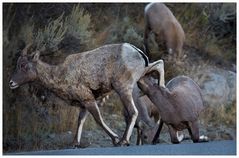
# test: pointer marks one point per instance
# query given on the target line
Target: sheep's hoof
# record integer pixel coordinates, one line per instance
(123, 142)
(116, 141)
(154, 142)
(80, 145)
(203, 138)
(76, 145)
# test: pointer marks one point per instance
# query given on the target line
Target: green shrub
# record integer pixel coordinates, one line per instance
(125, 31)
(51, 35)
(79, 25)
(76, 25)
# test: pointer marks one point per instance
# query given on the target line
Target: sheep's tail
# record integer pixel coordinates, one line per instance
(146, 59)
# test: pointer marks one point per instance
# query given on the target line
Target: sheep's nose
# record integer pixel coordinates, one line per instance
(13, 84)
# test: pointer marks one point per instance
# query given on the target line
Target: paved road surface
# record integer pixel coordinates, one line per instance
(210, 148)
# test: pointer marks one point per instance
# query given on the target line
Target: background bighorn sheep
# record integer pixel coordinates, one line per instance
(167, 30)
(83, 77)
(179, 105)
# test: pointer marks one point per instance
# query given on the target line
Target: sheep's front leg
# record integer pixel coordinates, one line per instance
(156, 136)
(81, 120)
(139, 136)
(93, 108)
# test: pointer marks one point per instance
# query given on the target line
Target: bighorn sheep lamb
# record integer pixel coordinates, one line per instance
(147, 111)
(179, 105)
(167, 30)
(83, 77)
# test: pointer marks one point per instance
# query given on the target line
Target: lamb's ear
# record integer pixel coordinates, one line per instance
(36, 56)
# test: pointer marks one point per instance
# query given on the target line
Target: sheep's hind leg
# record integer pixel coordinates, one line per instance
(137, 126)
(193, 130)
(127, 100)
(194, 133)
(93, 108)
(81, 120)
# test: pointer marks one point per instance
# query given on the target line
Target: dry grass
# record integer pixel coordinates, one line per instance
(220, 115)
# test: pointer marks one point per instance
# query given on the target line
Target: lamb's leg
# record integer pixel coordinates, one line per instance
(173, 135)
(139, 135)
(156, 136)
(193, 130)
(194, 133)
(93, 108)
(81, 120)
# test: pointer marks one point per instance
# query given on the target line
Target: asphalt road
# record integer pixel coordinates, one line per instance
(209, 148)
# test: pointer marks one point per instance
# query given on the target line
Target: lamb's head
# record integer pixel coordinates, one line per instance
(145, 84)
(25, 70)
(147, 134)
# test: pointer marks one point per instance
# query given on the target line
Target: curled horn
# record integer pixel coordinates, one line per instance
(24, 51)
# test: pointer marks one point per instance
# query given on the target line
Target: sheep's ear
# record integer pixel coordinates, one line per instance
(36, 56)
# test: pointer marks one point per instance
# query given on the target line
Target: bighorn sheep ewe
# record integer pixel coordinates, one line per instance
(179, 105)
(167, 30)
(83, 77)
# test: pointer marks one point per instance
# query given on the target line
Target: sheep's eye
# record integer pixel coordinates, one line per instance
(23, 67)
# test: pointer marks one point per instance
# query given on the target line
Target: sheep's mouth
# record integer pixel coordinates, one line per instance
(13, 85)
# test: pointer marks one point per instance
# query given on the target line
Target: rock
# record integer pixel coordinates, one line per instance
(218, 86)
(52, 136)
(231, 80)
(215, 89)
(69, 132)
(225, 136)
